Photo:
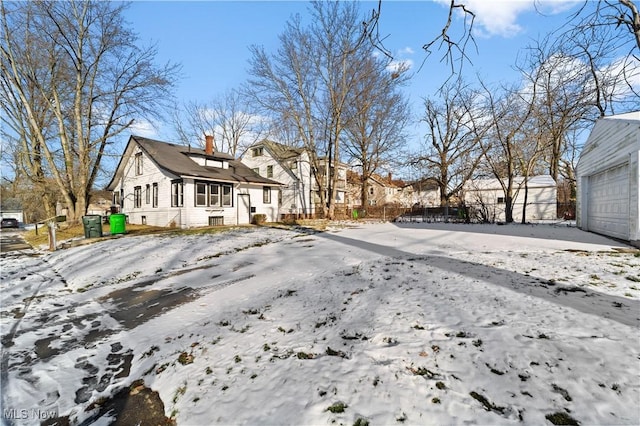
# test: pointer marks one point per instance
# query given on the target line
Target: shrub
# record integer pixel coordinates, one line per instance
(338, 407)
(259, 218)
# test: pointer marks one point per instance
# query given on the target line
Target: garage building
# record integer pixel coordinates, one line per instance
(608, 179)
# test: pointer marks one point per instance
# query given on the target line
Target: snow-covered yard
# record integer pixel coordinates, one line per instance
(384, 323)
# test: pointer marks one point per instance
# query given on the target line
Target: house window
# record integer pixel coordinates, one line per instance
(138, 161)
(116, 198)
(177, 193)
(257, 170)
(226, 195)
(294, 165)
(371, 190)
(214, 195)
(500, 200)
(147, 194)
(201, 194)
(269, 171)
(257, 152)
(137, 196)
(266, 195)
(154, 196)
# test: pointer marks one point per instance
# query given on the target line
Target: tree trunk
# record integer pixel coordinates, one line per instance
(364, 195)
(526, 196)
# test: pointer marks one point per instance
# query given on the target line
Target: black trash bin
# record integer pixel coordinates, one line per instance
(92, 225)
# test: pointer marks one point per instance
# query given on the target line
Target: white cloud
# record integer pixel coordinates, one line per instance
(500, 17)
(406, 51)
(144, 128)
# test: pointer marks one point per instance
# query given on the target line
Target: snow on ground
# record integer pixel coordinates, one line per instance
(406, 323)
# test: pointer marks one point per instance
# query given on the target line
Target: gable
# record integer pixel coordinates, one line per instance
(610, 142)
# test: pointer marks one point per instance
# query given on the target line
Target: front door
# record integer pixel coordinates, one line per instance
(244, 209)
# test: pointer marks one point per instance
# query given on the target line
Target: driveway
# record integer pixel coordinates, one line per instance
(11, 240)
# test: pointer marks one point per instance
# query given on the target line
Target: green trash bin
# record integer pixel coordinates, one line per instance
(92, 226)
(117, 223)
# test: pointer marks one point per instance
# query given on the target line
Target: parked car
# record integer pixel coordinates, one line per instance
(9, 222)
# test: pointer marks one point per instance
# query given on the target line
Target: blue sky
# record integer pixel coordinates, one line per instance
(211, 39)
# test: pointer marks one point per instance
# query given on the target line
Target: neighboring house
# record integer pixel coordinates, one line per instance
(608, 178)
(291, 167)
(11, 208)
(486, 198)
(100, 206)
(380, 191)
(162, 184)
(421, 193)
(12, 214)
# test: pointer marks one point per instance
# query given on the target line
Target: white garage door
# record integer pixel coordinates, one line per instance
(608, 202)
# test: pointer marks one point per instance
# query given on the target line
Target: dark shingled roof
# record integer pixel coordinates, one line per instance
(280, 151)
(176, 160)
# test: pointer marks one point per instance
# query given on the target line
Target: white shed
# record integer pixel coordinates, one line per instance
(486, 196)
(608, 178)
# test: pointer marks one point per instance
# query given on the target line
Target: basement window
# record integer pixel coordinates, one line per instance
(500, 200)
(216, 220)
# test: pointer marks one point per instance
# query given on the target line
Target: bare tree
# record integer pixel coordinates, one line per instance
(617, 21)
(231, 120)
(454, 48)
(307, 83)
(619, 18)
(74, 80)
(508, 112)
(609, 61)
(564, 100)
(378, 113)
(284, 85)
(452, 151)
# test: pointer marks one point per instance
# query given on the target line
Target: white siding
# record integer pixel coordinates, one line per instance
(608, 179)
(188, 215)
(296, 180)
(163, 215)
(541, 198)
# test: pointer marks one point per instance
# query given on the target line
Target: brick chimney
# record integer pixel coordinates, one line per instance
(208, 147)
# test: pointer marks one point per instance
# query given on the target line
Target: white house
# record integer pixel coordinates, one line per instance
(421, 193)
(162, 184)
(608, 179)
(487, 199)
(292, 168)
